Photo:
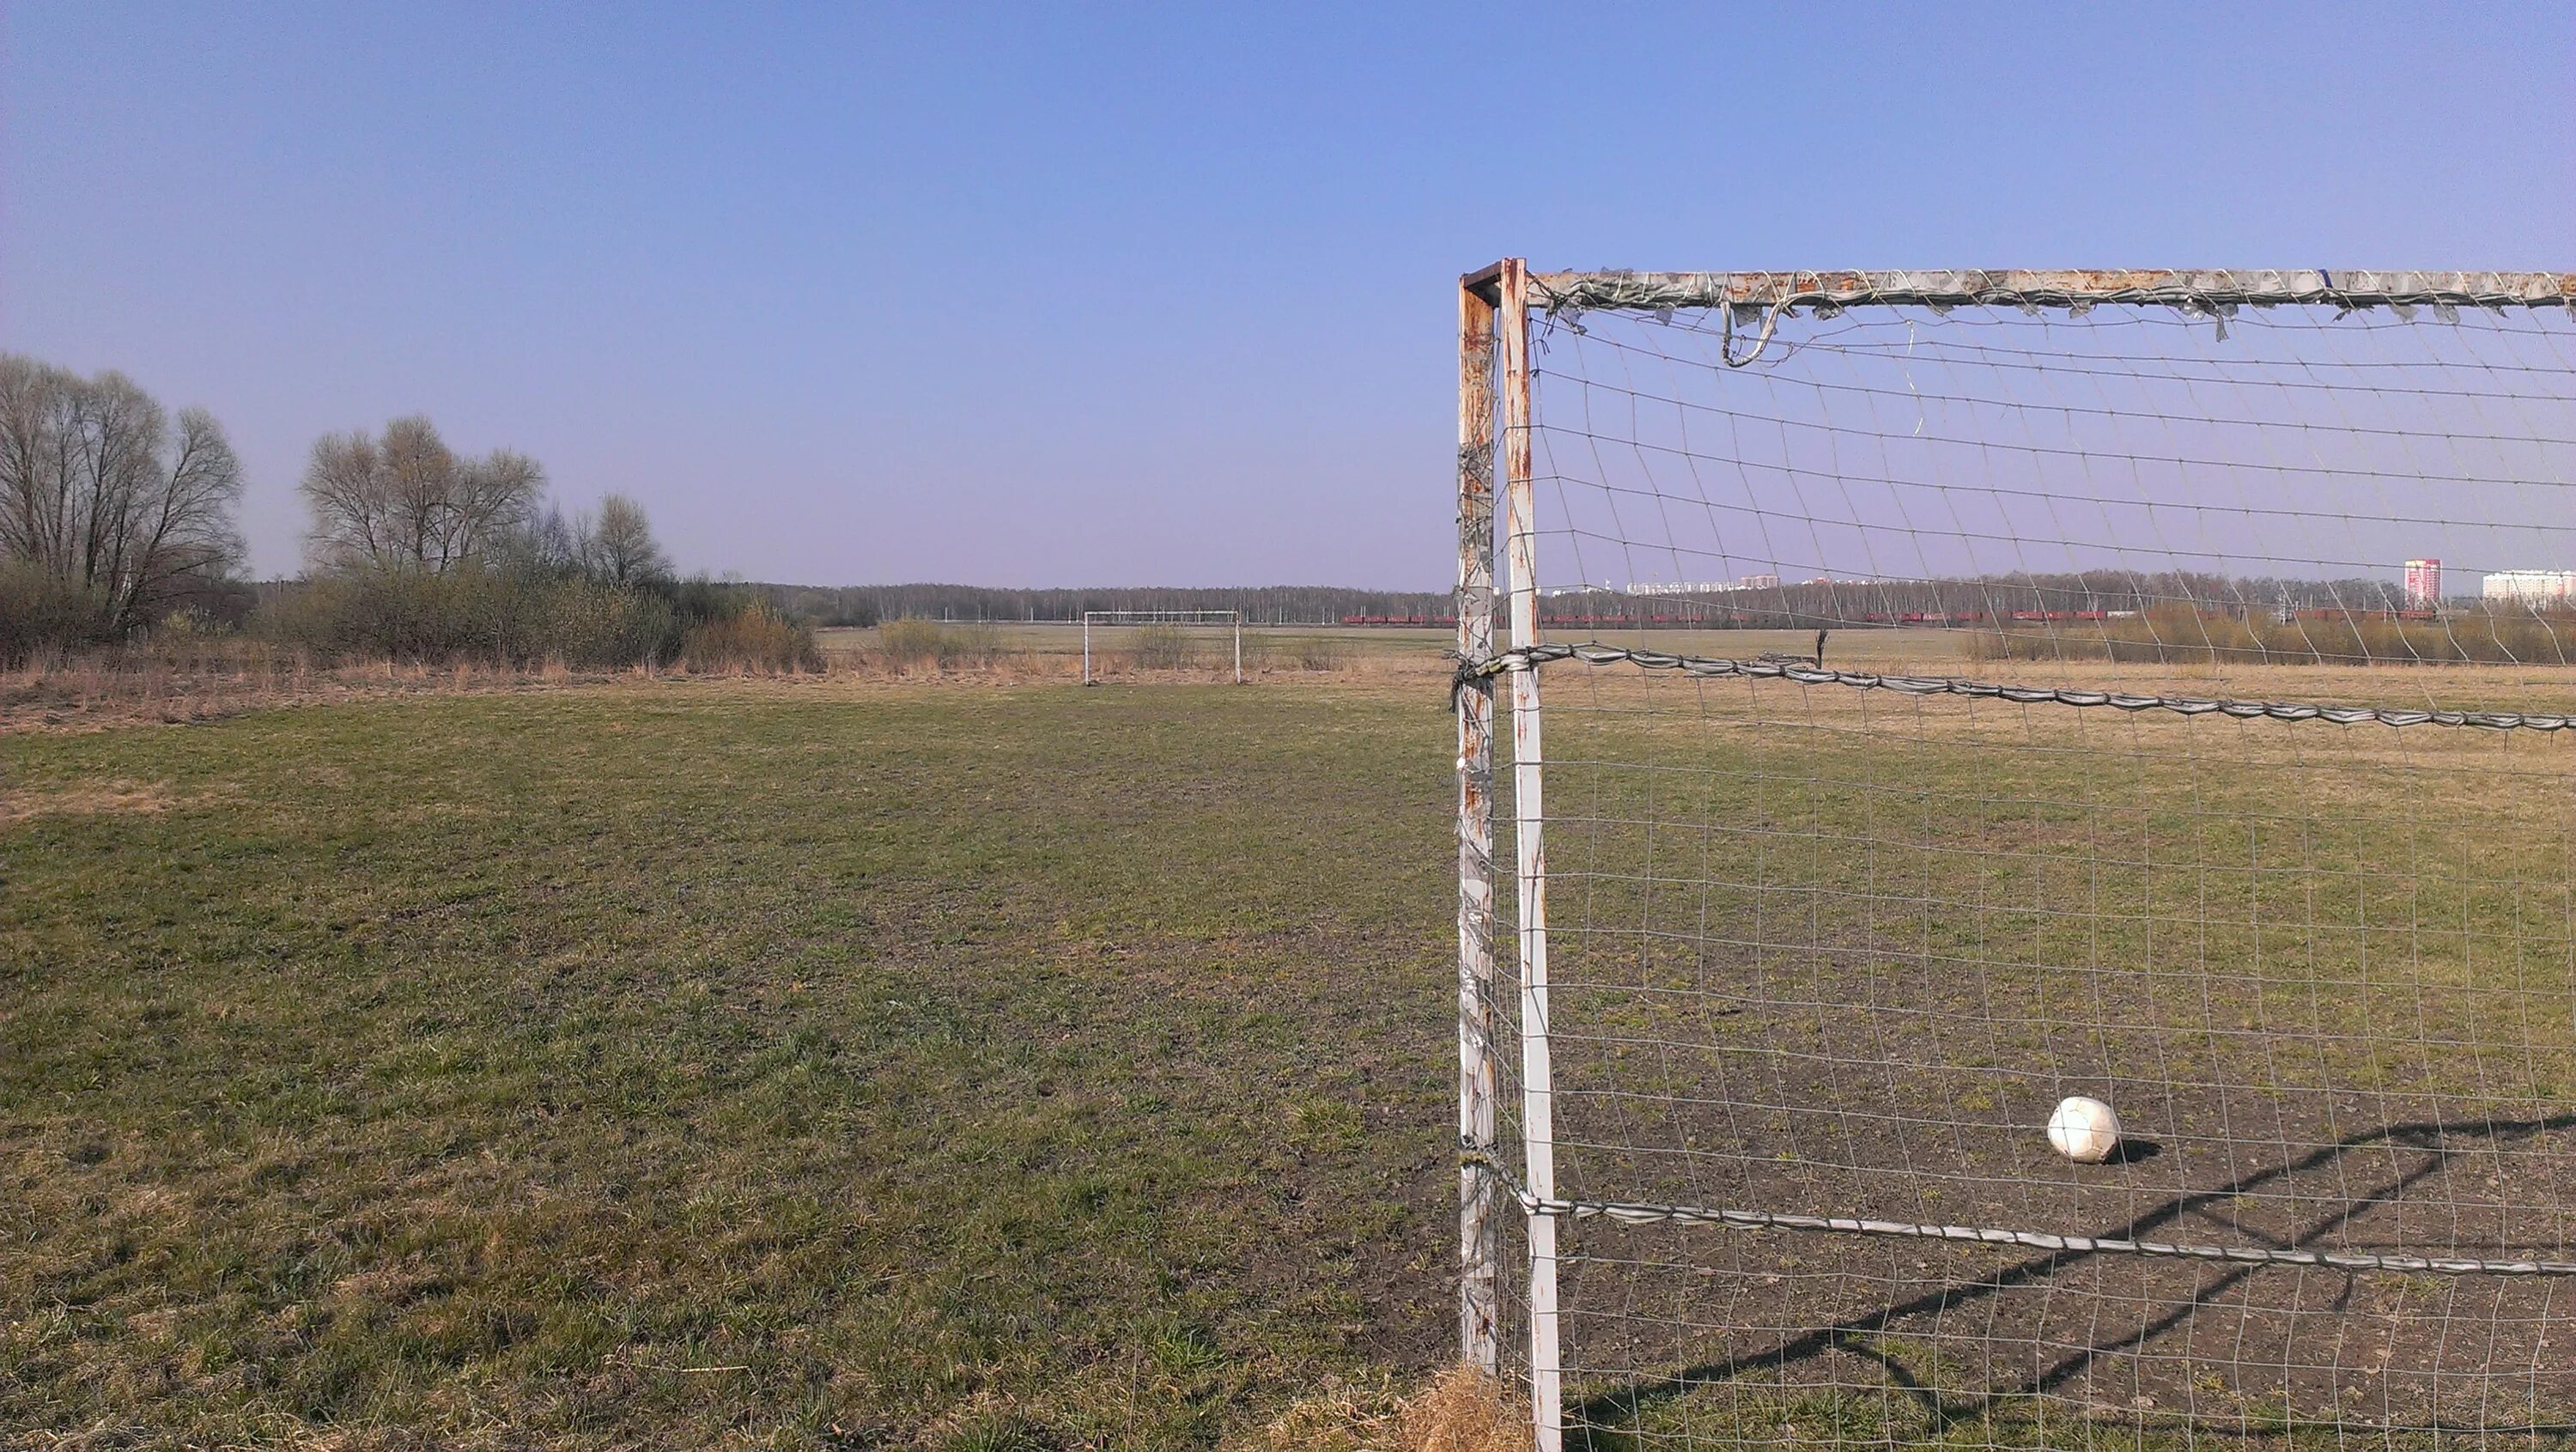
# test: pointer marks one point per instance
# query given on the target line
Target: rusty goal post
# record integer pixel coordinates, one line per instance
(2038, 901)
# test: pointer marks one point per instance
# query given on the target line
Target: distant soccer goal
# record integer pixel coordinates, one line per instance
(1165, 639)
(2018, 891)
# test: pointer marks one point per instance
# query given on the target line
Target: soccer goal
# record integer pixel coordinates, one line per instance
(1167, 636)
(2018, 891)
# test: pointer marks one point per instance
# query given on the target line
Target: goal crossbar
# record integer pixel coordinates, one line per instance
(1556, 292)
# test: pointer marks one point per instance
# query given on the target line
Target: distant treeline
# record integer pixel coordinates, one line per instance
(118, 532)
(2096, 594)
(1262, 605)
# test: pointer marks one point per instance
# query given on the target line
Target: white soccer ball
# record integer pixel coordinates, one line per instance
(2084, 1130)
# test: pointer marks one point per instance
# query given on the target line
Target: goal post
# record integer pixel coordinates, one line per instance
(1233, 618)
(1480, 1271)
(1975, 696)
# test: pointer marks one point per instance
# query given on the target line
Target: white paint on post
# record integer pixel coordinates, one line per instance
(1538, 1134)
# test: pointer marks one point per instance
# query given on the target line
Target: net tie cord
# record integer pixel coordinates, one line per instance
(1643, 1214)
(1595, 653)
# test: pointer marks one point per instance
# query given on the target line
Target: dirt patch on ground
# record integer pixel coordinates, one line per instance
(90, 799)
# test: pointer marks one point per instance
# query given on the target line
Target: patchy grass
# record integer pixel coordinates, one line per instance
(82, 799)
(840, 1064)
(733, 1063)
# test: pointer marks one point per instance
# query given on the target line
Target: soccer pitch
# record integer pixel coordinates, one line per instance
(843, 1063)
(677, 1063)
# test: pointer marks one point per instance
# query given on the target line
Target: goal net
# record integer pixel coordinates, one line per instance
(1161, 641)
(1893, 704)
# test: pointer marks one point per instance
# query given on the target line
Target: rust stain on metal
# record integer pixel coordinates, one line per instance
(1479, 1207)
(2189, 288)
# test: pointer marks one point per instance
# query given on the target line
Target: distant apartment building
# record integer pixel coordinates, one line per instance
(2531, 587)
(2423, 584)
(1703, 587)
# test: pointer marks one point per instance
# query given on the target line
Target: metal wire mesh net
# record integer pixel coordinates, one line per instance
(1950, 710)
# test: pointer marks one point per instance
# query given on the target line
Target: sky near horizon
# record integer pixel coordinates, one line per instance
(1096, 295)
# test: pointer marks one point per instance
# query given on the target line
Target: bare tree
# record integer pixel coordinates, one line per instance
(100, 492)
(617, 547)
(405, 501)
(549, 544)
(36, 409)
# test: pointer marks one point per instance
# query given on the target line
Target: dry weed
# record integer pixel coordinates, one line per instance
(93, 695)
(1458, 1410)
(1464, 1410)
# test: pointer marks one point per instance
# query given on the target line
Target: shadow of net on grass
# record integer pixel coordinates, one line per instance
(2165, 1351)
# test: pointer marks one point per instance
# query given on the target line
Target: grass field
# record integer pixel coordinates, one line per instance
(672, 1064)
(1837, 953)
(850, 1062)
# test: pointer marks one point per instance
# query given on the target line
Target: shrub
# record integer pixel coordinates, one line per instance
(584, 624)
(44, 615)
(932, 642)
(481, 614)
(1318, 653)
(755, 638)
(1164, 648)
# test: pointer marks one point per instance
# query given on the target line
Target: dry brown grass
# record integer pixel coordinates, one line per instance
(98, 694)
(914, 650)
(1463, 1410)
(18, 804)
(105, 690)
(1458, 1410)
(985, 654)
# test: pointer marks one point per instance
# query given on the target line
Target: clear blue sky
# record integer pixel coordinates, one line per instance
(1098, 295)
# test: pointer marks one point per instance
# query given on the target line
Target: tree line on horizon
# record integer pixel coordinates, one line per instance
(119, 525)
(1809, 604)
(846, 605)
